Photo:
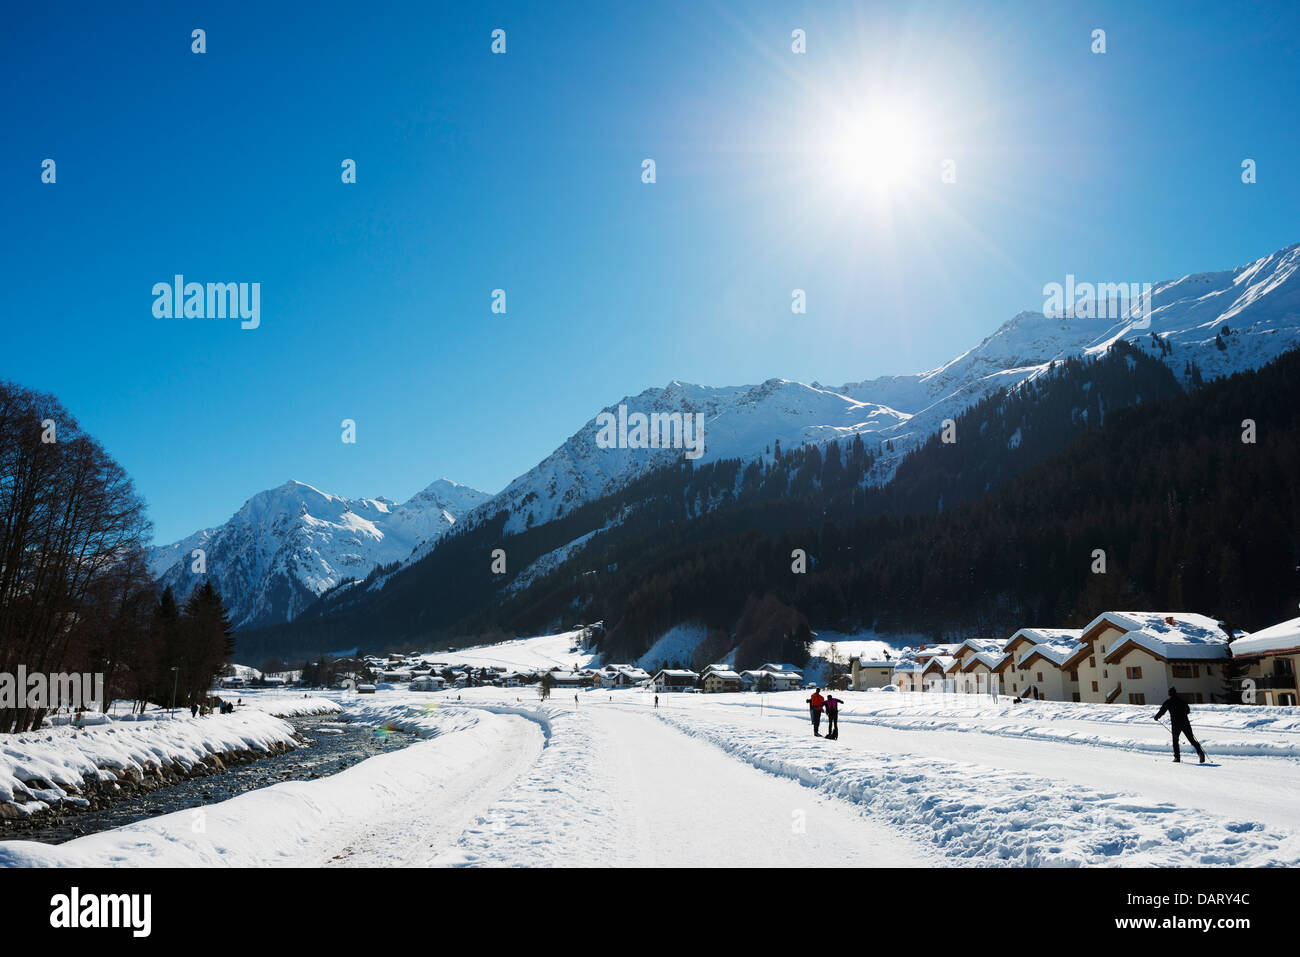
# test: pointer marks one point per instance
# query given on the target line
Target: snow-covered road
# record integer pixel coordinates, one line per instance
(681, 801)
(720, 780)
(435, 817)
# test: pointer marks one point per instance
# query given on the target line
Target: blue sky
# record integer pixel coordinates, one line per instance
(523, 172)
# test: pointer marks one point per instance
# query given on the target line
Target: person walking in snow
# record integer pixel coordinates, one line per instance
(815, 711)
(194, 710)
(832, 706)
(1179, 722)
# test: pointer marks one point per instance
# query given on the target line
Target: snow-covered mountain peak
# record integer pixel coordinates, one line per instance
(287, 545)
(1260, 301)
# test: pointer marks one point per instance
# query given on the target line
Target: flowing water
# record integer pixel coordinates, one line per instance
(332, 745)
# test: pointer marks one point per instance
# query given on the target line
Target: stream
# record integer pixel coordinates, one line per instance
(332, 746)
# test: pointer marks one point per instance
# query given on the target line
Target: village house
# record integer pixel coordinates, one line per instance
(622, 676)
(907, 673)
(772, 677)
(1271, 658)
(936, 671)
(1135, 657)
(568, 679)
(980, 674)
(428, 683)
(675, 679)
(962, 681)
(971, 647)
(871, 672)
(718, 678)
(1034, 666)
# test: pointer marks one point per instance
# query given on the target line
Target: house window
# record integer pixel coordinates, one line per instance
(1074, 675)
(1092, 662)
(1094, 686)
(1075, 697)
(1040, 676)
(1137, 699)
(1182, 671)
(1134, 674)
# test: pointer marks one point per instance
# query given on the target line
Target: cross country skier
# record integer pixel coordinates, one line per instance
(832, 706)
(1178, 720)
(815, 709)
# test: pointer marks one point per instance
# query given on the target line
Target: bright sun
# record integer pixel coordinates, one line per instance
(875, 150)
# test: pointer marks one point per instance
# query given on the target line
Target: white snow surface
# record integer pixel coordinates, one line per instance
(501, 779)
(538, 653)
(1280, 637)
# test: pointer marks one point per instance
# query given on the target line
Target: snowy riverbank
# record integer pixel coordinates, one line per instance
(63, 764)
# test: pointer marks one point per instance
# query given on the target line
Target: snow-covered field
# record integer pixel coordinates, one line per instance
(527, 654)
(923, 780)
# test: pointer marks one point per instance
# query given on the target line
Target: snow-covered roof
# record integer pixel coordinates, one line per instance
(990, 659)
(754, 674)
(876, 662)
(676, 673)
(1056, 650)
(909, 665)
(946, 662)
(934, 651)
(1170, 634)
(977, 645)
(786, 668)
(1038, 636)
(1284, 636)
(723, 673)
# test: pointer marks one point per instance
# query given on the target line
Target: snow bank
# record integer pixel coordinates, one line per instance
(996, 816)
(296, 823)
(1226, 729)
(63, 760)
(282, 703)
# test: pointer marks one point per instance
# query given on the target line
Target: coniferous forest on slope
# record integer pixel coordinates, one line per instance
(992, 532)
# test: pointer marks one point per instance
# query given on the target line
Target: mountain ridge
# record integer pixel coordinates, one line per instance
(1203, 324)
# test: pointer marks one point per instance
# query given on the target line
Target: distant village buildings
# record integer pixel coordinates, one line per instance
(1123, 657)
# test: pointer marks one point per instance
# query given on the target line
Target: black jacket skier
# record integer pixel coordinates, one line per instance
(832, 706)
(1179, 722)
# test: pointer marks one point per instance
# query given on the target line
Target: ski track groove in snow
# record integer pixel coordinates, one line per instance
(990, 815)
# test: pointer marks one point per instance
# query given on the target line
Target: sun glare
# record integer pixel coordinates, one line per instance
(875, 150)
